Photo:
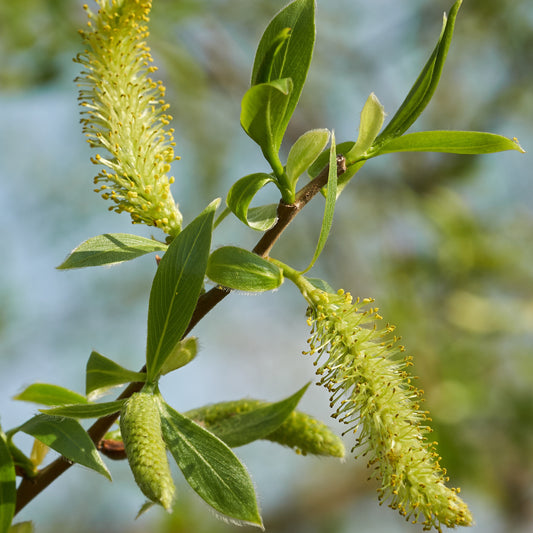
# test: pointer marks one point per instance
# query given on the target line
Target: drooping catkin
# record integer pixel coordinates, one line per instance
(140, 425)
(360, 364)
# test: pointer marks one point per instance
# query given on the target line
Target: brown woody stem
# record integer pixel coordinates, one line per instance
(30, 488)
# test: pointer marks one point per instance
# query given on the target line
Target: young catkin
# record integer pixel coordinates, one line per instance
(140, 425)
(299, 431)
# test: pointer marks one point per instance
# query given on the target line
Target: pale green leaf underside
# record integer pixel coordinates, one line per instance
(304, 152)
(263, 217)
(110, 248)
(241, 194)
(372, 117)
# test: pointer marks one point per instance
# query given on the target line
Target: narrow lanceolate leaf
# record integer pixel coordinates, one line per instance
(241, 422)
(210, 468)
(8, 489)
(425, 85)
(243, 270)
(67, 437)
(331, 199)
(304, 152)
(86, 410)
(176, 287)
(103, 373)
(453, 142)
(262, 111)
(110, 248)
(294, 56)
(241, 194)
(48, 394)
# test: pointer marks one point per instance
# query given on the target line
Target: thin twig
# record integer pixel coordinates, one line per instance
(30, 488)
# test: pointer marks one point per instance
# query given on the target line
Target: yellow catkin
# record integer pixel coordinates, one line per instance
(124, 115)
(362, 365)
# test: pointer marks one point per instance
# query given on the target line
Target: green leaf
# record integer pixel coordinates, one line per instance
(8, 489)
(184, 352)
(21, 460)
(372, 117)
(110, 248)
(85, 410)
(453, 142)
(238, 429)
(273, 52)
(176, 288)
(22, 527)
(304, 152)
(47, 394)
(294, 57)
(263, 217)
(425, 85)
(103, 373)
(242, 270)
(210, 467)
(241, 194)
(329, 209)
(321, 284)
(262, 110)
(67, 437)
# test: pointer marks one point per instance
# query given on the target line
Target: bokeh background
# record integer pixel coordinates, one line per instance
(443, 242)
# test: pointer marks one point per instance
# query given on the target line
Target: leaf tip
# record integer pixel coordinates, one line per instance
(214, 204)
(518, 148)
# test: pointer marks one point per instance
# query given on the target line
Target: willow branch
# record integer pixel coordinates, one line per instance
(30, 488)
